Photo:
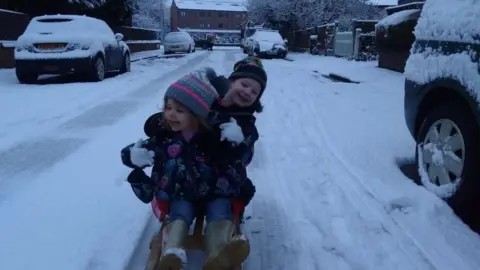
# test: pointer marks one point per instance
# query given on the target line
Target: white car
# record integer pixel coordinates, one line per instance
(178, 42)
(266, 43)
(61, 44)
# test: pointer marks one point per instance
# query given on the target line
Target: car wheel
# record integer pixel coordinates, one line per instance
(448, 154)
(98, 70)
(25, 77)
(126, 64)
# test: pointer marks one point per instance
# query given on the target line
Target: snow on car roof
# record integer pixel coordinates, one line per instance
(67, 23)
(211, 5)
(443, 20)
(398, 17)
(450, 21)
(63, 16)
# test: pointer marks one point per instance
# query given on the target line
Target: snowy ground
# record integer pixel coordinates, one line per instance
(329, 194)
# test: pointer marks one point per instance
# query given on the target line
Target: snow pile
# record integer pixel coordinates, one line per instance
(450, 21)
(397, 18)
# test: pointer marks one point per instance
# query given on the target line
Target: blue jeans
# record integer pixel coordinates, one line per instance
(218, 209)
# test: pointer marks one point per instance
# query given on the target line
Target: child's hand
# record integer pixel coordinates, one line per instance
(141, 157)
(231, 132)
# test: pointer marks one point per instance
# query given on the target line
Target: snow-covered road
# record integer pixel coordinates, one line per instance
(329, 194)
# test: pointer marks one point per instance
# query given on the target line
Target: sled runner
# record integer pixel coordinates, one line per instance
(195, 241)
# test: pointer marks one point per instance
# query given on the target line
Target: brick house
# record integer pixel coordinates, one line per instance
(202, 17)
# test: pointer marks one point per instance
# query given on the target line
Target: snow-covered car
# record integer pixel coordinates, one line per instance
(442, 97)
(266, 43)
(60, 44)
(178, 42)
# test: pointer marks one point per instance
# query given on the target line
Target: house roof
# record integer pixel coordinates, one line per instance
(211, 5)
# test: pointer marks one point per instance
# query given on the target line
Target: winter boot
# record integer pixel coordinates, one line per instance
(174, 256)
(224, 251)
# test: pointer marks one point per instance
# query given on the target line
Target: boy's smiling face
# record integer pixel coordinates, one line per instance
(244, 91)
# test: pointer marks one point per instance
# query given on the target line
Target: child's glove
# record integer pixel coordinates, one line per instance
(141, 184)
(141, 157)
(232, 132)
(160, 209)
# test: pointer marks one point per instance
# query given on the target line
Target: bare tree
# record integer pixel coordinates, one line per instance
(149, 14)
(302, 14)
(89, 3)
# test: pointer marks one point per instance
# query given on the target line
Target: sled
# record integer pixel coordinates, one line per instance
(194, 241)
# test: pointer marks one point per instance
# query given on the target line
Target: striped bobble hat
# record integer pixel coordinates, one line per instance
(194, 91)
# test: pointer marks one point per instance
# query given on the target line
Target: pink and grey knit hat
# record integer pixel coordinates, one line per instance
(194, 91)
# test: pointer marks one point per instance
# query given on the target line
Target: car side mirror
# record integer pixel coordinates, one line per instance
(285, 40)
(119, 36)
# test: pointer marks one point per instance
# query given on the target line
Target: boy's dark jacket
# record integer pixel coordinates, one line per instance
(203, 168)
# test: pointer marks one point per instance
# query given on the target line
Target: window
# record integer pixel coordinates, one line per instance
(220, 25)
(237, 15)
(202, 25)
(209, 14)
(182, 14)
(208, 25)
(202, 14)
(220, 15)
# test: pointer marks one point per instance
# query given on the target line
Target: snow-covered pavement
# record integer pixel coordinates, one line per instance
(329, 193)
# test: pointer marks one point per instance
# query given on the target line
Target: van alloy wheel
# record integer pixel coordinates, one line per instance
(443, 152)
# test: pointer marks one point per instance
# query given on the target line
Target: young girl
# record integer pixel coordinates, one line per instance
(239, 99)
(190, 166)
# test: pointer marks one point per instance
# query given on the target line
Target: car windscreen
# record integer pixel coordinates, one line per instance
(57, 25)
(175, 37)
(268, 36)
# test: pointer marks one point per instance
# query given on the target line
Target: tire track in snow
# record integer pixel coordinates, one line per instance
(389, 225)
(324, 223)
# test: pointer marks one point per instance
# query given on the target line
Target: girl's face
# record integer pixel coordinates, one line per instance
(178, 117)
(244, 91)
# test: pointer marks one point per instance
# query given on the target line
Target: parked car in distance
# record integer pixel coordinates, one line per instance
(266, 43)
(201, 43)
(178, 42)
(61, 44)
(441, 102)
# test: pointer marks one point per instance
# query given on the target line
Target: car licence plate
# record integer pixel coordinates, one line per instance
(50, 68)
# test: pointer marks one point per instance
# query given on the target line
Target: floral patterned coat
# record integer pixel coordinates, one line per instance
(202, 168)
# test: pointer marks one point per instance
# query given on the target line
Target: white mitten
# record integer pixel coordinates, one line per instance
(141, 157)
(232, 132)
